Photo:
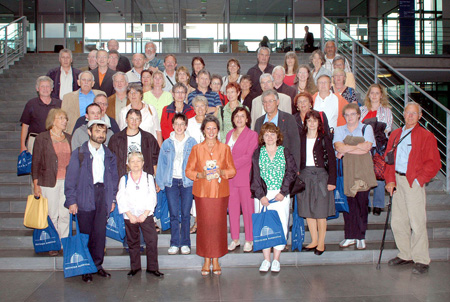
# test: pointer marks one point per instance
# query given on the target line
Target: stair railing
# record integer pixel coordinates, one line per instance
(369, 68)
(13, 42)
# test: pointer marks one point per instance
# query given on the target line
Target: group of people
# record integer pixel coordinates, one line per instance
(216, 145)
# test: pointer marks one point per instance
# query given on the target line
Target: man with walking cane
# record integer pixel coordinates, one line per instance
(412, 160)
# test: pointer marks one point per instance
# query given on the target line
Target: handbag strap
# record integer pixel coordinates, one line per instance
(340, 167)
(71, 225)
(396, 145)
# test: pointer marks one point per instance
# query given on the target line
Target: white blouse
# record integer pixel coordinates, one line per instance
(136, 197)
(149, 123)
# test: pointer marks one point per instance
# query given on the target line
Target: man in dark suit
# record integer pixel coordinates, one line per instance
(285, 121)
(308, 41)
(103, 74)
(123, 64)
(65, 78)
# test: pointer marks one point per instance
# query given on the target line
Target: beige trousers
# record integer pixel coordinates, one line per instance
(58, 213)
(409, 221)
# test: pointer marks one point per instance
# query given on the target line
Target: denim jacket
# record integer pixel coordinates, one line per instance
(165, 163)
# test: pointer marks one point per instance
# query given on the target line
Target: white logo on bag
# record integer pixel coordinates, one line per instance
(111, 222)
(44, 236)
(266, 231)
(76, 258)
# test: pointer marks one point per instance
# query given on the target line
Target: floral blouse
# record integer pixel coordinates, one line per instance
(272, 171)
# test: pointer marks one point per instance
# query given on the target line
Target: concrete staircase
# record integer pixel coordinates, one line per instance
(16, 248)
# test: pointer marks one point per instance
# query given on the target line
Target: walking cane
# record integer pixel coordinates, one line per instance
(384, 233)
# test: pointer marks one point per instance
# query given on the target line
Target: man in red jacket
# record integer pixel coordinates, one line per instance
(416, 162)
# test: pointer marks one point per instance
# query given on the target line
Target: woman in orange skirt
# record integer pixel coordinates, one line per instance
(210, 165)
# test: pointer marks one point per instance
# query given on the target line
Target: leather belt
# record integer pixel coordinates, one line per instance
(400, 173)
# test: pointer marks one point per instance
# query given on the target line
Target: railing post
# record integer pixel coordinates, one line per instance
(322, 38)
(406, 93)
(6, 48)
(447, 157)
(375, 80)
(24, 35)
(354, 59)
(336, 36)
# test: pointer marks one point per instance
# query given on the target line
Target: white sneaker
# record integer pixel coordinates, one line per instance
(185, 250)
(347, 242)
(276, 266)
(265, 265)
(233, 245)
(248, 246)
(173, 250)
(361, 244)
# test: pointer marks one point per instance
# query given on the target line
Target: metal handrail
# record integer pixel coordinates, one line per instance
(367, 71)
(17, 36)
(392, 68)
(15, 21)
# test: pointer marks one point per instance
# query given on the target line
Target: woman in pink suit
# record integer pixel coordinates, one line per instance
(243, 143)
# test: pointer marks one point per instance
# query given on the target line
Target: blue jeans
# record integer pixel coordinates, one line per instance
(179, 199)
(378, 195)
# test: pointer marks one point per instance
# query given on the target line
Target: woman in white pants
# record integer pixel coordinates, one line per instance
(273, 171)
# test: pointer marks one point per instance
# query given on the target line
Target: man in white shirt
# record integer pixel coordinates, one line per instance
(170, 63)
(330, 53)
(65, 78)
(267, 83)
(91, 189)
(329, 103)
(134, 75)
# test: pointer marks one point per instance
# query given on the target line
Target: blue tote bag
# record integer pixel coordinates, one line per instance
(24, 163)
(115, 226)
(47, 239)
(298, 229)
(340, 200)
(162, 210)
(267, 230)
(77, 259)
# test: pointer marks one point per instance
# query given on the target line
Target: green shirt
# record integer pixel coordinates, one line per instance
(225, 122)
(164, 100)
(272, 172)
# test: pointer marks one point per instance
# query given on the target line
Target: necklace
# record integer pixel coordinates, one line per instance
(57, 135)
(138, 182)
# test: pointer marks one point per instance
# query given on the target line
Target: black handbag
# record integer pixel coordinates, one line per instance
(297, 186)
(390, 158)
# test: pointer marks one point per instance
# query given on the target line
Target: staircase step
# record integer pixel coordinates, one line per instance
(116, 259)
(22, 239)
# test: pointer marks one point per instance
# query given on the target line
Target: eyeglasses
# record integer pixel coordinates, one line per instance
(102, 104)
(268, 101)
(411, 113)
(350, 114)
(180, 92)
(62, 118)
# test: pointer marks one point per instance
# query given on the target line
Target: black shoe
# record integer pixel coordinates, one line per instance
(133, 272)
(87, 278)
(318, 253)
(157, 273)
(369, 209)
(377, 211)
(102, 273)
(399, 261)
(420, 268)
(309, 249)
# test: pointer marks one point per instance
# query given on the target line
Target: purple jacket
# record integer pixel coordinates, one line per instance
(79, 184)
(242, 152)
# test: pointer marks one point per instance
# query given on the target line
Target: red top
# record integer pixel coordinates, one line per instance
(370, 114)
(167, 115)
(289, 80)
